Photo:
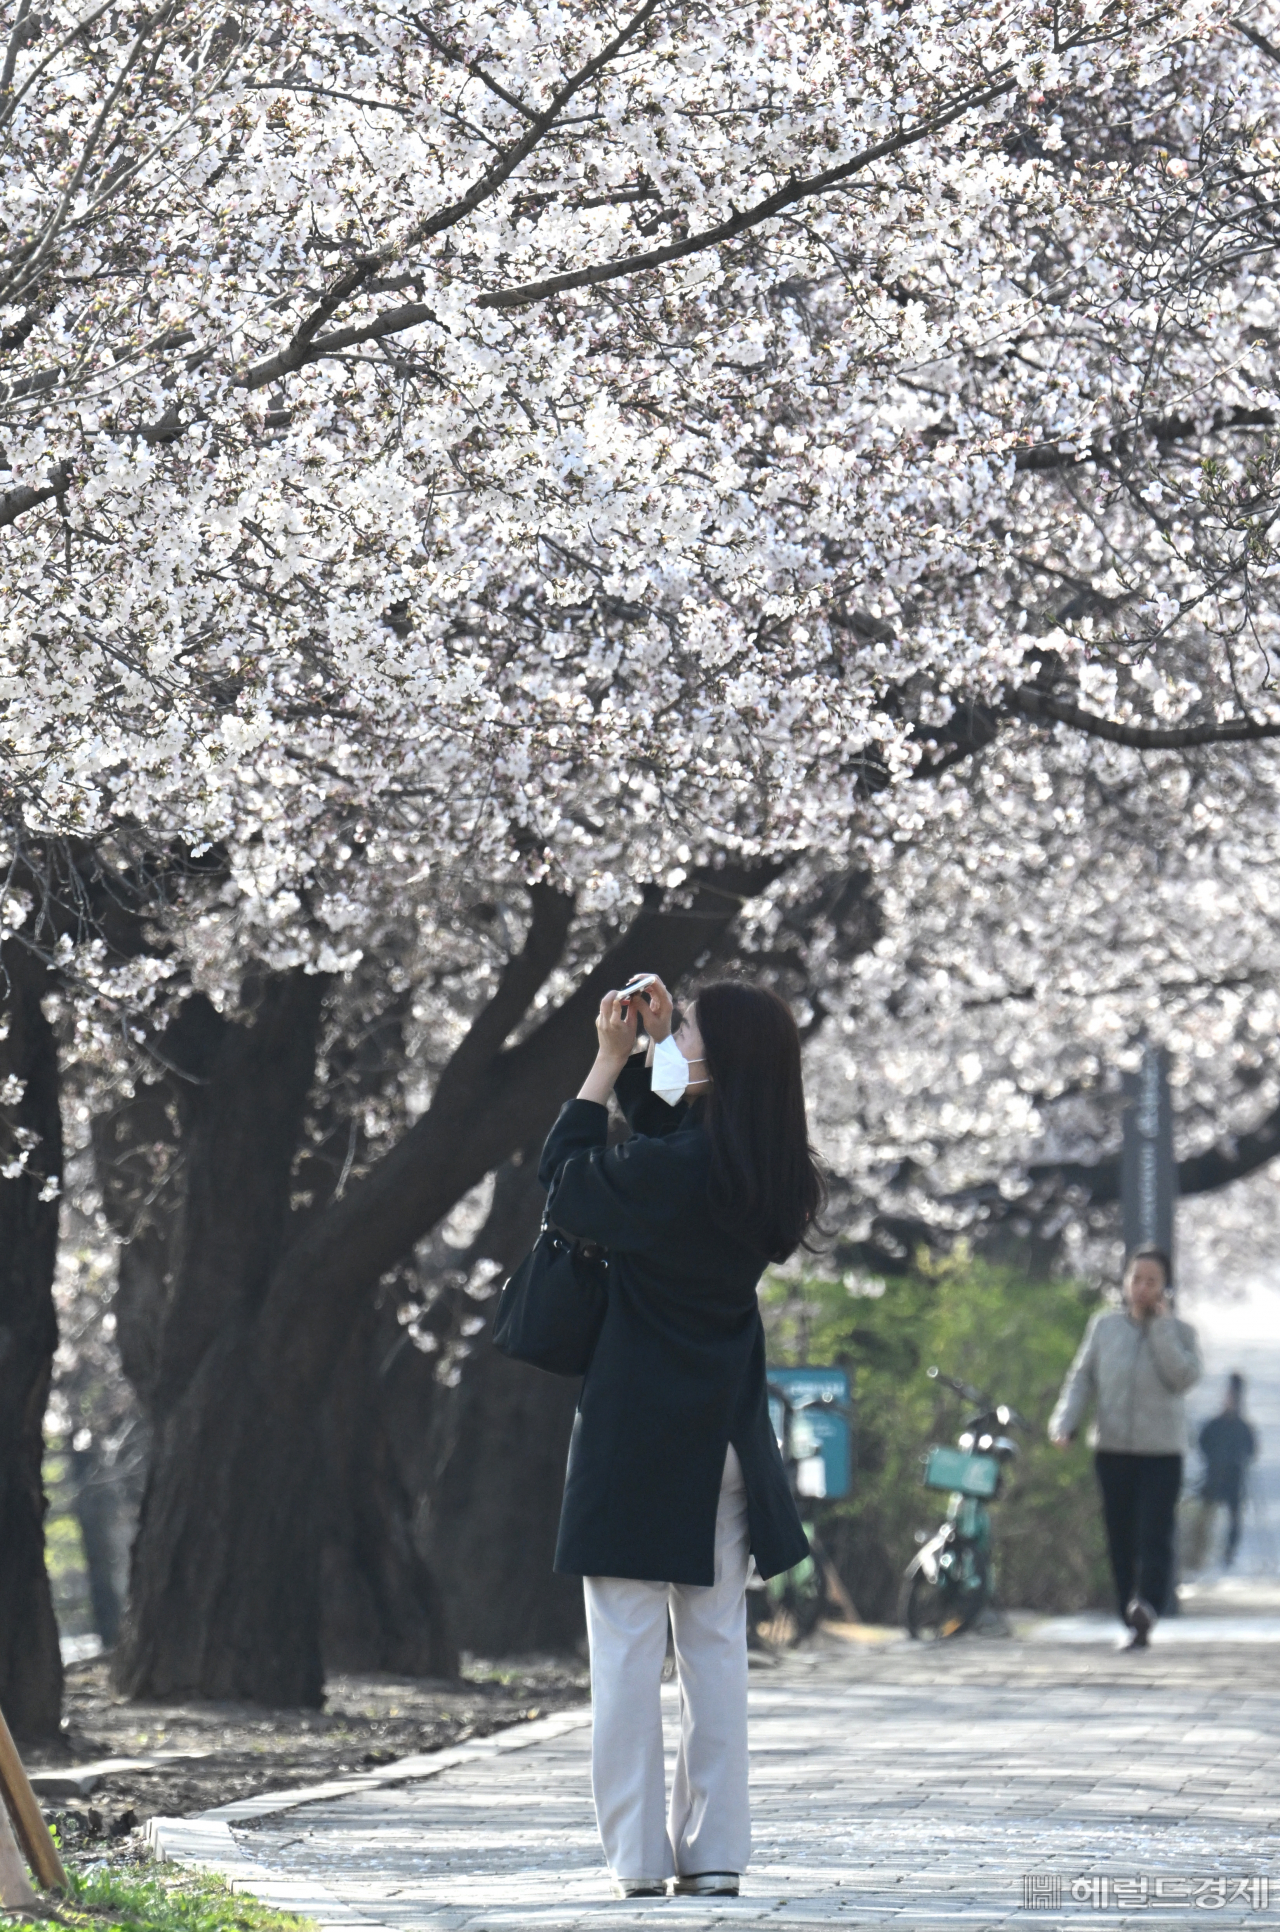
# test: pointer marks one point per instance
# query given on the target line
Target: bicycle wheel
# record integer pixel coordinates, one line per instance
(945, 1604)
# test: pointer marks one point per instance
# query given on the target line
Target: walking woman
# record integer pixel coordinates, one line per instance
(675, 1478)
(1136, 1362)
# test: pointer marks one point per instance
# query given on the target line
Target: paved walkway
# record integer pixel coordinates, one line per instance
(988, 1783)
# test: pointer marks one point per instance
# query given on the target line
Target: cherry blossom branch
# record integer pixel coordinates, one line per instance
(1042, 708)
(894, 1240)
(115, 187)
(17, 39)
(1231, 1160)
(1217, 1166)
(1259, 40)
(32, 262)
(441, 46)
(1163, 429)
(746, 218)
(8, 107)
(14, 503)
(295, 353)
(327, 94)
(392, 322)
(551, 917)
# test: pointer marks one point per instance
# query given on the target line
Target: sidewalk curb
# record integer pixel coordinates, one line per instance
(208, 1844)
(207, 1841)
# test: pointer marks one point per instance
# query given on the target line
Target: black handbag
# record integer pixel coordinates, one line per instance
(552, 1309)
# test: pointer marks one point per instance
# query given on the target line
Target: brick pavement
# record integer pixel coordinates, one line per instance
(891, 1786)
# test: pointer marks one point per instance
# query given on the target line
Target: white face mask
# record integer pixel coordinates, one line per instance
(670, 1073)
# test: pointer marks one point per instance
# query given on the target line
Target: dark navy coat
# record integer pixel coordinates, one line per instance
(678, 1372)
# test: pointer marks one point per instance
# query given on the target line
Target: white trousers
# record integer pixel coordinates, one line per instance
(708, 1825)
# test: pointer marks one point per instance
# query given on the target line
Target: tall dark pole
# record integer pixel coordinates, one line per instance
(1148, 1177)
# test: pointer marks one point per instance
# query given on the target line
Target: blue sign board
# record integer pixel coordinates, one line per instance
(820, 1424)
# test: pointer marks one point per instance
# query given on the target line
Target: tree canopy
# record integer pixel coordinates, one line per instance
(500, 496)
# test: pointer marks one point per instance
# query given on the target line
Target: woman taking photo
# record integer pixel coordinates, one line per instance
(1136, 1363)
(675, 1478)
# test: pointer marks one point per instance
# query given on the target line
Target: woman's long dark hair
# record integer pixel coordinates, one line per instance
(765, 1181)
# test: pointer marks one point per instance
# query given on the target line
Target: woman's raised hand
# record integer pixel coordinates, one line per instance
(658, 1011)
(616, 1028)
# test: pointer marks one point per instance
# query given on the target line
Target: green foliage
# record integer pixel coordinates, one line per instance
(64, 1549)
(985, 1324)
(164, 1902)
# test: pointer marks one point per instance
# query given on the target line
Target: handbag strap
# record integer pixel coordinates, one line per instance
(571, 1241)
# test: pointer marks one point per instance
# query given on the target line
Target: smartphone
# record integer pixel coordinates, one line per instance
(637, 985)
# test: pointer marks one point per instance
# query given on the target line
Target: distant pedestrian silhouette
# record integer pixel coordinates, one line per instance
(1228, 1445)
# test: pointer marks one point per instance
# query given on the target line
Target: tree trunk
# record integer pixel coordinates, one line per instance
(495, 1459)
(231, 1469)
(96, 1515)
(30, 1659)
(380, 1607)
(494, 1509)
(224, 1584)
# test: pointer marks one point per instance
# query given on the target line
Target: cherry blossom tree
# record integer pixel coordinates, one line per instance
(1098, 897)
(580, 464)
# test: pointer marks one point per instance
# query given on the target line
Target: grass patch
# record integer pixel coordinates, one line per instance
(190, 1902)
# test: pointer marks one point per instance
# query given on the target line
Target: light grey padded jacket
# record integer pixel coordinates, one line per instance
(1137, 1372)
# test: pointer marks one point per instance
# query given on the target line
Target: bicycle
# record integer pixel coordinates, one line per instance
(790, 1605)
(947, 1584)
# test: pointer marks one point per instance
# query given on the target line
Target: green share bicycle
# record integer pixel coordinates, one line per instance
(948, 1581)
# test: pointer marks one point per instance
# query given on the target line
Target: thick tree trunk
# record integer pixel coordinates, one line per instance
(494, 1469)
(224, 1579)
(494, 1509)
(224, 1586)
(380, 1607)
(30, 1660)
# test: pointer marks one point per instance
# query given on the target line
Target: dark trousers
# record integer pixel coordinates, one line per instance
(1139, 1497)
(1233, 1530)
